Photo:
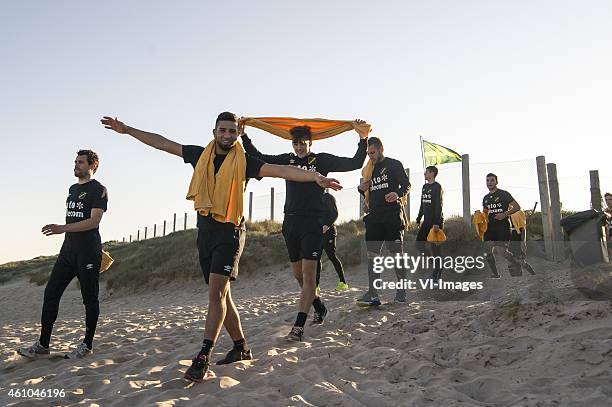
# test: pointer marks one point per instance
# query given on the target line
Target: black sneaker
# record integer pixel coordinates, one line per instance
(319, 317)
(198, 369)
(296, 334)
(236, 355)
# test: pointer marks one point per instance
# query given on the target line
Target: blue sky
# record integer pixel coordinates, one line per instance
(502, 81)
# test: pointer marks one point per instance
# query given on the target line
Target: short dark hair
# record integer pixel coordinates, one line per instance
(432, 168)
(492, 175)
(226, 116)
(607, 194)
(92, 157)
(300, 133)
(374, 141)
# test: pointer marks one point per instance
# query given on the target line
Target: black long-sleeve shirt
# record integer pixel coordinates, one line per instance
(388, 176)
(330, 210)
(304, 198)
(431, 204)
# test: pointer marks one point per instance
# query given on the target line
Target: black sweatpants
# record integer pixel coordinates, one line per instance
(81, 260)
(329, 246)
(429, 249)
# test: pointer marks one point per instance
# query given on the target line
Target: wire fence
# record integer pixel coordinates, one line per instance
(517, 177)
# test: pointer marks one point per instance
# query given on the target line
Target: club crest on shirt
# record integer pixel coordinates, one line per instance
(82, 195)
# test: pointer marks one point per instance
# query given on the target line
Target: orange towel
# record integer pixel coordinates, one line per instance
(320, 128)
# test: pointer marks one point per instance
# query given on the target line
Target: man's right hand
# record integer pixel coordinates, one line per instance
(114, 124)
(364, 186)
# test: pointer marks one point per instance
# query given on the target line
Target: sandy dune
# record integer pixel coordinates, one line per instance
(553, 348)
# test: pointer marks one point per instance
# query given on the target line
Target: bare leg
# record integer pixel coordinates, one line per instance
(217, 305)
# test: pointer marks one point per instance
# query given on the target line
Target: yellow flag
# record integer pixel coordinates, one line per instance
(434, 154)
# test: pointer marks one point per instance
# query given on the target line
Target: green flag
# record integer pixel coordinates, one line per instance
(434, 154)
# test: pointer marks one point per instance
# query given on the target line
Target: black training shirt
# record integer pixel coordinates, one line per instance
(304, 198)
(388, 176)
(82, 198)
(431, 204)
(497, 202)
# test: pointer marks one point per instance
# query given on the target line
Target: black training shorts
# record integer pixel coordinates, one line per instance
(219, 247)
(303, 237)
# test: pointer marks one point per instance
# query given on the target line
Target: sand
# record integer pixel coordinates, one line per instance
(528, 343)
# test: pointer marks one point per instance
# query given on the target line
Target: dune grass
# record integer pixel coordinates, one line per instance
(151, 263)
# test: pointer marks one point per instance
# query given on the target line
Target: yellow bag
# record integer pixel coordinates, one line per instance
(436, 237)
(107, 261)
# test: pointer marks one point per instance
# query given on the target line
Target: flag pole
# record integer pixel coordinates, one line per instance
(422, 152)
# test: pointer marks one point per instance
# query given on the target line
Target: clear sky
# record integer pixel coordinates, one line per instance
(500, 80)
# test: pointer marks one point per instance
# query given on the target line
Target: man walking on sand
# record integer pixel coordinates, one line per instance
(221, 172)
(80, 257)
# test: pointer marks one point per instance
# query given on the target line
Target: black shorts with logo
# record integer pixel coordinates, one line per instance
(499, 233)
(303, 237)
(384, 227)
(219, 247)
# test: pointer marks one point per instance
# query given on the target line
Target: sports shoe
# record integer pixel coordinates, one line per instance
(372, 301)
(79, 352)
(319, 317)
(35, 351)
(318, 291)
(342, 286)
(236, 355)
(296, 334)
(197, 370)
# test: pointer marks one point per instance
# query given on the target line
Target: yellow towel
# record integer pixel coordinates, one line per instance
(436, 237)
(519, 220)
(480, 221)
(320, 128)
(107, 261)
(219, 195)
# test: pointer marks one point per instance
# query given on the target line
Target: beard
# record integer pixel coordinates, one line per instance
(225, 147)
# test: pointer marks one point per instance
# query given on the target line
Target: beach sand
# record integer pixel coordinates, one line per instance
(534, 341)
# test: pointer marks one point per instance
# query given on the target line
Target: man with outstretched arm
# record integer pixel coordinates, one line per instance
(221, 172)
(303, 209)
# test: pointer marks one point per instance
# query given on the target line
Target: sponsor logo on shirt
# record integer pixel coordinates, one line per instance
(311, 168)
(89, 266)
(71, 212)
(379, 182)
(227, 268)
(82, 195)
